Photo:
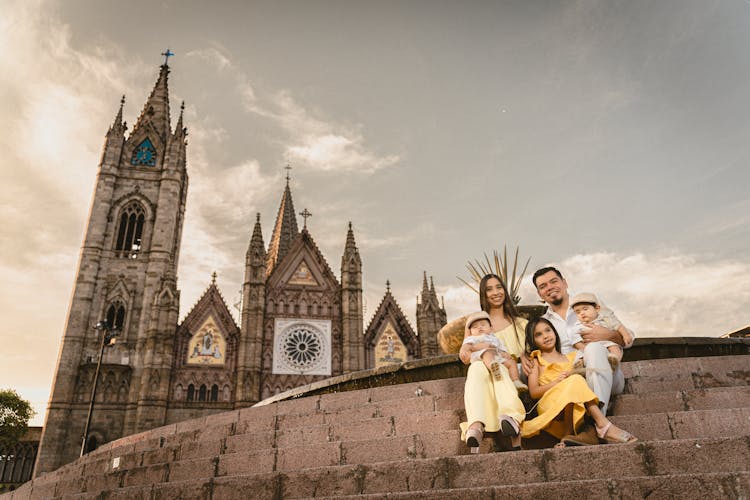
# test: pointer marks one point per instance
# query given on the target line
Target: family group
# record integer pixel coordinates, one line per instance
(568, 359)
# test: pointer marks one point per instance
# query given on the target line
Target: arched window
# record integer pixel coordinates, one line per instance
(130, 232)
(116, 315)
(144, 154)
(191, 392)
(202, 393)
(214, 392)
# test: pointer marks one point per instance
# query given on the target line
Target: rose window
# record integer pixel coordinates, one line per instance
(302, 348)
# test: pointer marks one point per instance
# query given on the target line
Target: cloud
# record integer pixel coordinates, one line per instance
(314, 142)
(212, 55)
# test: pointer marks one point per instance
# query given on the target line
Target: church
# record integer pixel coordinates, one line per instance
(299, 322)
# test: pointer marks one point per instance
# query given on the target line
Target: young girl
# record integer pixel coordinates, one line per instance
(563, 397)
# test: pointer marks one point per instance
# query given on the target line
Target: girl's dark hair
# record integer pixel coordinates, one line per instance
(509, 307)
(531, 326)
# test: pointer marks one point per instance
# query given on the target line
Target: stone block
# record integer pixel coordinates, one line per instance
(594, 462)
(570, 490)
(656, 402)
(247, 462)
(102, 482)
(725, 397)
(303, 436)
(93, 467)
(710, 423)
(517, 467)
(434, 421)
(132, 493)
(144, 444)
(406, 475)
(256, 486)
(68, 486)
(140, 476)
(712, 486)
(186, 470)
(250, 441)
(378, 450)
(37, 489)
(215, 432)
(698, 456)
(298, 406)
(322, 482)
(227, 417)
(193, 490)
(159, 456)
(304, 457)
(199, 449)
(357, 414)
(401, 391)
(295, 421)
(411, 406)
(449, 401)
(440, 444)
(645, 427)
(343, 400)
(190, 425)
(257, 418)
(367, 429)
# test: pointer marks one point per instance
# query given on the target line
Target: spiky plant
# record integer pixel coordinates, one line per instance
(498, 265)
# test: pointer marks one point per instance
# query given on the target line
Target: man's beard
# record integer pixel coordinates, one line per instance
(557, 302)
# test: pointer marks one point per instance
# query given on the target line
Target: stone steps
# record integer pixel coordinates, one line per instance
(717, 467)
(704, 486)
(404, 439)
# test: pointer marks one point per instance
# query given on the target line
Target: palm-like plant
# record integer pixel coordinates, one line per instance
(498, 265)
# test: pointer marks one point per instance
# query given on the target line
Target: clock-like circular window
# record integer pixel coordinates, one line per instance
(302, 347)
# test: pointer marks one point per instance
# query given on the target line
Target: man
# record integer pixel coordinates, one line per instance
(553, 289)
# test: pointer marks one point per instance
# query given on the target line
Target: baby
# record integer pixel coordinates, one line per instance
(492, 351)
(589, 311)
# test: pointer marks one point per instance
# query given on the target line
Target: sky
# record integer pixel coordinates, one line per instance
(606, 138)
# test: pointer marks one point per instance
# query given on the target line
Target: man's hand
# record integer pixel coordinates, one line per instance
(596, 333)
(526, 364)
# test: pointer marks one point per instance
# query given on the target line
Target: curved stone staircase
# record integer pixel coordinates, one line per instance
(691, 414)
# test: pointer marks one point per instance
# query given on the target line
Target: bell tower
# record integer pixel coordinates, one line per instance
(127, 274)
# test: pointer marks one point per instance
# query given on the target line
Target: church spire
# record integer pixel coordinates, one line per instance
(156, 109)
(118, 125)
(425, 288)
(284, 231)
(256, 240)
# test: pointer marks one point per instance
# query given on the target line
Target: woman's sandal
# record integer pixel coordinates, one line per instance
(474, 437)
(622, 437)
(561, 444)
(509, 426)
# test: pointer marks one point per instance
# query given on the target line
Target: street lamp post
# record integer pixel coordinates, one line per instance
(108, 338)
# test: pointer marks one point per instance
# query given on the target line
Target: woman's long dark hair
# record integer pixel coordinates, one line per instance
(509, 308)
(531, 325)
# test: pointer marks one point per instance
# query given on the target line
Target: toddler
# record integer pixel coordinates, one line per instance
(589, 312)
(489, 349)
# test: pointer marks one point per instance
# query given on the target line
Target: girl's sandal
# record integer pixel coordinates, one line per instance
(622, 436)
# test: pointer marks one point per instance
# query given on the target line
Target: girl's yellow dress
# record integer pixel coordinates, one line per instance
(571, 390)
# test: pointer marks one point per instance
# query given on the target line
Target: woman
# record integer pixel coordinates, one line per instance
(493, 405)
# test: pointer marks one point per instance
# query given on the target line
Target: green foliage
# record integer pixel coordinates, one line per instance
(15, 414)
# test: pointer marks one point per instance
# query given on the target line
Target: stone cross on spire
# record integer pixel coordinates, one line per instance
(288, 169)
(167, 55)
(305, 214)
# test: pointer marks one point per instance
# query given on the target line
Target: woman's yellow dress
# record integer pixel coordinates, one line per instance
(485, 398)
(571, 390)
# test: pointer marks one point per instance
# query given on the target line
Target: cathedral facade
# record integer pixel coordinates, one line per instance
(298, 321)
